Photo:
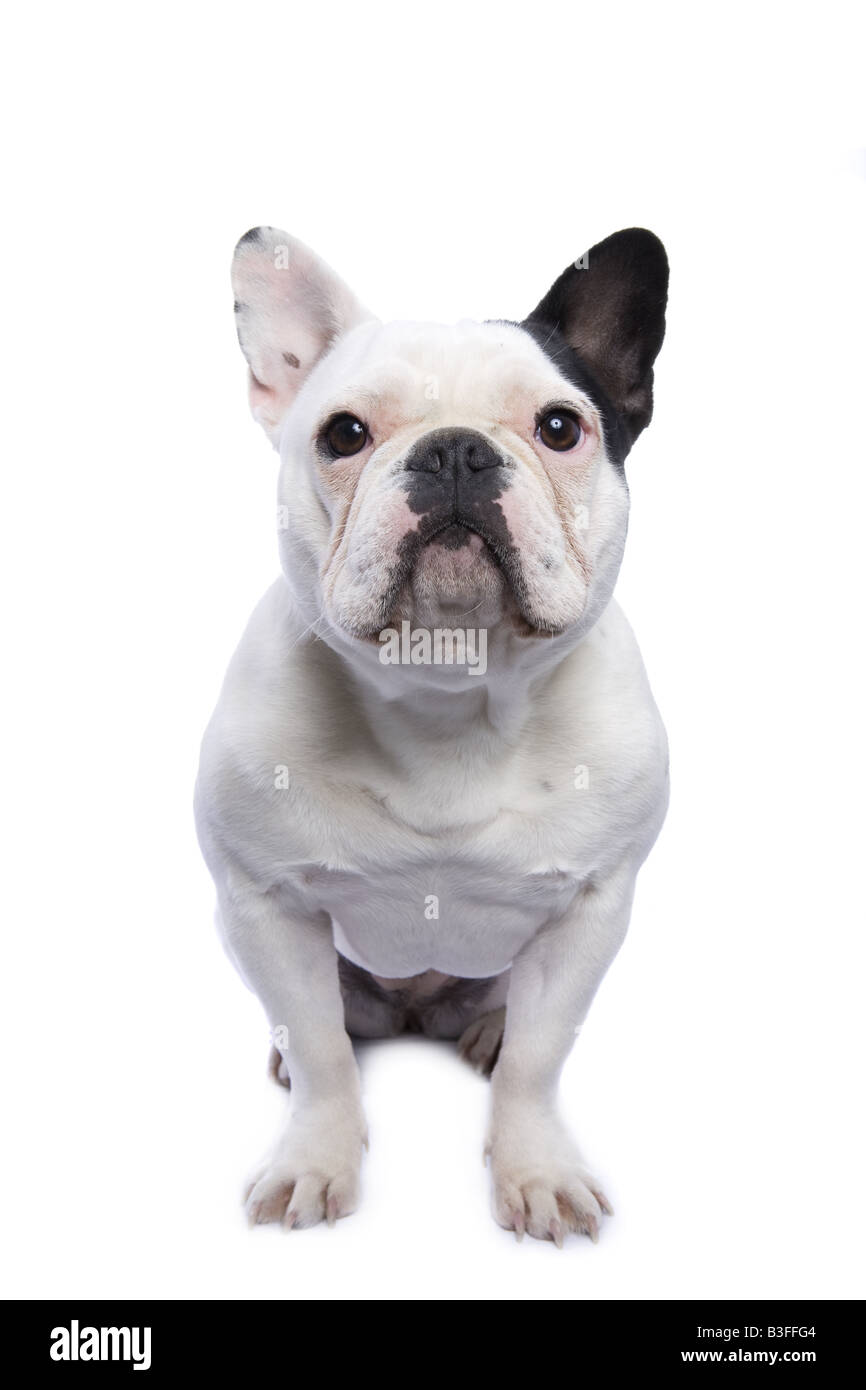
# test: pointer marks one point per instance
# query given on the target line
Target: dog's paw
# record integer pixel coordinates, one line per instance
(277, 1069)
(480, 1043)
(314, 1174)
(540, 1184)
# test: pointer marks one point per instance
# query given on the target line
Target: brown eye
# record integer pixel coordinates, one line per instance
(559, 430)
(345, 435)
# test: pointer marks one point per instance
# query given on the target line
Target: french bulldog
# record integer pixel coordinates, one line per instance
(404, 836)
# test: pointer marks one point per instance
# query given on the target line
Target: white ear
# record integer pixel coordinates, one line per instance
(290, 308)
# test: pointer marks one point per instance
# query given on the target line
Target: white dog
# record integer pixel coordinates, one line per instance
(436, 765)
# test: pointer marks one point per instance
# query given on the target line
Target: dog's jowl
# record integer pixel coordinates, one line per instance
(401, 843)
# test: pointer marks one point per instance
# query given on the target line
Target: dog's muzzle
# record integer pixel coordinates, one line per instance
(453, 481)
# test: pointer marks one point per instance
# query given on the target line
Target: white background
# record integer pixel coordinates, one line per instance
(448, 160)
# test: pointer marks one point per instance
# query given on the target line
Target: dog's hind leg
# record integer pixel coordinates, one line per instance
(480, 1043)
(472, 1011)
(277, 1069)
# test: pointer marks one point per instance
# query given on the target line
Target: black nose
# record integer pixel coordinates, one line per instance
(453, 451)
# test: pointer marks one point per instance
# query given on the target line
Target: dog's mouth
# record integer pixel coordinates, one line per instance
(456, 557)
(455, 535)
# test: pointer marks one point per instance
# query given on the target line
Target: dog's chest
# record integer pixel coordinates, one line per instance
(435, 845)
(463, 900)
(445, 915)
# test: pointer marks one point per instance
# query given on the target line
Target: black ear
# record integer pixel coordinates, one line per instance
(609, 306)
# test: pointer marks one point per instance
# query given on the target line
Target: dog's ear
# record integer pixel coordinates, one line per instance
(290, 307)
(609, 306)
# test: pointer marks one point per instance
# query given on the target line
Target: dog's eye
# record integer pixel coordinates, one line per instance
(559, 430)
(345, 435)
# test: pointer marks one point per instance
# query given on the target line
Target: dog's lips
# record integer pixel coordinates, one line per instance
(455, 536)
(455, 542)
(460, 544)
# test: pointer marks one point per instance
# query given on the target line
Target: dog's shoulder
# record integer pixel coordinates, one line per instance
(600, 735)
(602, 692)
(245, 743)
(274, 752)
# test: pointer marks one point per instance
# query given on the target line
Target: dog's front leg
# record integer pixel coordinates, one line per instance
(540, 1183)
(291, 964)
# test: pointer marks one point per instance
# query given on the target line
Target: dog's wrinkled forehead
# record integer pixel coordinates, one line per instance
(488, 376)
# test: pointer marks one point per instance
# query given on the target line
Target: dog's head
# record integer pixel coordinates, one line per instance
(431, 472)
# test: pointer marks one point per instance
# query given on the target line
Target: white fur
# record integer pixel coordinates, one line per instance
(411, 784)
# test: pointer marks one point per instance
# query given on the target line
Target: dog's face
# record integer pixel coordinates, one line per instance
(431, 473)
